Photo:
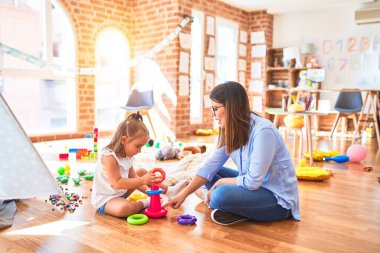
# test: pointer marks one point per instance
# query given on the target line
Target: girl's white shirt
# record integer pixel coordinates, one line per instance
(102, 190)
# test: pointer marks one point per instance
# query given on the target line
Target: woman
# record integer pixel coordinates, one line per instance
(264, 188)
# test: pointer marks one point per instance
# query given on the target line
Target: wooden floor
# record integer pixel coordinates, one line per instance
(340, 215)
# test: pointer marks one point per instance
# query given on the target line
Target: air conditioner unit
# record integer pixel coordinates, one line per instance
(367, 16)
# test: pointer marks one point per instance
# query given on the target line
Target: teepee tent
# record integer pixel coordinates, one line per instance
(23, 173)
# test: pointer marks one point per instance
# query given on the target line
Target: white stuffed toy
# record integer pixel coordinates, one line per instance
(167, 151)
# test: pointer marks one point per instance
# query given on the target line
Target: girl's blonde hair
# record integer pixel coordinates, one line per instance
(132, 127)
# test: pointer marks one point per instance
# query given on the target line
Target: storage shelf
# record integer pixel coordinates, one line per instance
(280, 76)
(277, 89)
(269, 69)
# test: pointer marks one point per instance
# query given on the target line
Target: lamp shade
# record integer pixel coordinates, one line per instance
(307, 48)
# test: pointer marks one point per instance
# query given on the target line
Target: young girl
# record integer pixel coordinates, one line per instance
(264, 187)
(115, 178)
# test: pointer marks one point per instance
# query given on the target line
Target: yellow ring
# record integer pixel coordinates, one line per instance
(136, 196)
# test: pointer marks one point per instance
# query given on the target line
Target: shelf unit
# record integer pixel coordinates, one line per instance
(280, 79)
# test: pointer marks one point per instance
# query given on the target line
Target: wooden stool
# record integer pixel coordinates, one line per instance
(297, 134)
(345, 118)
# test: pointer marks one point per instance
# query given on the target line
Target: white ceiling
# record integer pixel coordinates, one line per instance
(284, 6)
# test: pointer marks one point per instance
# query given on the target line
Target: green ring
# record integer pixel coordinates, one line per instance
(137, 219)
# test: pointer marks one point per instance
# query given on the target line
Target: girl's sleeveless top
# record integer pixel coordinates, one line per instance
(102, 190)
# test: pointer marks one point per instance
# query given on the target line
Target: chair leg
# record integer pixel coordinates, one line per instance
(355, 120)
(299, 131)
(294, 142)
(334, 125)
(151, 123)
(344, 125)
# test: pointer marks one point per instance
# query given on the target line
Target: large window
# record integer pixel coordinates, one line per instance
(226, 50)
(41, 96)
(196, 66)
(112, 80)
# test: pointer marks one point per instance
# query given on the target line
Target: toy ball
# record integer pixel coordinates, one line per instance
(67, 167)
(61, 170)
(356, 152)
(302, 163)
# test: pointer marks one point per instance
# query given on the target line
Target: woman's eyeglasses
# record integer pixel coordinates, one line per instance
(215, 109)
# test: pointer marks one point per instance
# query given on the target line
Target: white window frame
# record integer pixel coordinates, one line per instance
(228, 23)
(49, 73)
(198, 119)
(123, 75)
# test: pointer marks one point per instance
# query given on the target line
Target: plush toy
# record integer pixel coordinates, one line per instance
(191, 150)
(313, 63)
(204, 132)
(318, 155)
(304, 82)
(167, 151)
(312, 173)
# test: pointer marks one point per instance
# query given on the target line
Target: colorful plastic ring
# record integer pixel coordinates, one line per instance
(154, 192)
(161, 171)
(136, 196)
(137, 219)
(186, 219)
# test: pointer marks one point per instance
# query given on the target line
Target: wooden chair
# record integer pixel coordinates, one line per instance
(347, 103)
(141, 101)
(294, 125)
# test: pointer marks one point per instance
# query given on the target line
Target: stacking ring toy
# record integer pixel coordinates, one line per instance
(186, 219)
(136, 196)
(137, 219)
(161, 171)
(154, 192)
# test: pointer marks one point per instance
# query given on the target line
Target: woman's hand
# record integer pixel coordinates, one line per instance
(176, 201)
(151, 178)
(212, 188)
(222, 181)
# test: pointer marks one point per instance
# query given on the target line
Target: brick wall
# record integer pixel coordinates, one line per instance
(145, 23)
(260, 21)
(152, 21)
(89, 18)
(211, 8)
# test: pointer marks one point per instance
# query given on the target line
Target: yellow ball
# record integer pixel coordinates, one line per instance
(67, 167)
(302, 163)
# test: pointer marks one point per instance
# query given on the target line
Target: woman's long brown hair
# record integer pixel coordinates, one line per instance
(235, 101)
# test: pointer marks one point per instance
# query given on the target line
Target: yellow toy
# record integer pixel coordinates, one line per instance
(312, 173)
(294, 121)
(136, 196)
(318, 155)
(204, 132)
(67, 169)
(302, 163)
(296, 108)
